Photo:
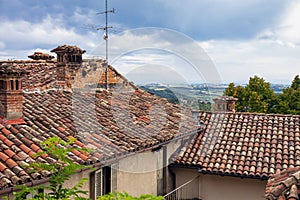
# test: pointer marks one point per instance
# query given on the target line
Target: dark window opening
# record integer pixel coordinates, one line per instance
(17, 84)
(101, 182)
(106, 180)
(11, 84)
(2, 84)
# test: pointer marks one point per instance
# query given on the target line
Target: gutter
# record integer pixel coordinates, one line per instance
(29, 184)
(262, 178)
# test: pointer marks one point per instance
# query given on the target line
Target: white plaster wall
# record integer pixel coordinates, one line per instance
(76, 178)
(137, 174)
(215, 187)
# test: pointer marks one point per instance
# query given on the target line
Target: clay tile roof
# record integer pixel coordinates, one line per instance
(40, 74)
(250, 145)
(8, 69)
(284, 185)
(116, 123)
(68, 49)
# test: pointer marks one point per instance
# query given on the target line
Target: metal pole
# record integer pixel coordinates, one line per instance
(106, 43)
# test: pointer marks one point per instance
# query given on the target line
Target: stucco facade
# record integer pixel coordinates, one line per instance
(214, 187)
(138, 174)
(147, 172)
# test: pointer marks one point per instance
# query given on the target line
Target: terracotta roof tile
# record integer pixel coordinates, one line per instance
(243, 144)
(10, 163)
(35, 148)
(9, 152)
(5, 131)
(2, 167)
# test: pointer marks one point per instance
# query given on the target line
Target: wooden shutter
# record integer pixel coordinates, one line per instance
(98, 183)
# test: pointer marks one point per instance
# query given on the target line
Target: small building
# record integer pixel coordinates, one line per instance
(235, 155)
(132, 133)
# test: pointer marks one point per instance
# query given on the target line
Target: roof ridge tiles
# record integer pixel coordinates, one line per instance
(249, 113)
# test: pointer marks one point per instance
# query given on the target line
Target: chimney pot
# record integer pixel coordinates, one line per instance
(225, 103)
(11, 94)
(69, 60)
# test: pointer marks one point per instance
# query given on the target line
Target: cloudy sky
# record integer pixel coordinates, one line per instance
(230, 40)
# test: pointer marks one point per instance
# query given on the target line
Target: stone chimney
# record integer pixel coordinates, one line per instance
(69, 60)
(11, 94)
(225, 103)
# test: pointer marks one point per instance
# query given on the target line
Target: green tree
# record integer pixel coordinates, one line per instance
(256, 96)
(61, 170)
(125, 196)
(237, 92)
(296, 83)
(289, 100)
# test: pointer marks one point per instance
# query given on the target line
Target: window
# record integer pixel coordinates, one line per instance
(2, 84)
(17, 84)
(11, 84)
(98, 183)
(101, 183)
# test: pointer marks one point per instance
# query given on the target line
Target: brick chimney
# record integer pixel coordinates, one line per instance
(11, 94)
(69, 60)
(225, 103)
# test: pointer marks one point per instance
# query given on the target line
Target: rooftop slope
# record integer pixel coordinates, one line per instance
(243, 144)
(112, 123)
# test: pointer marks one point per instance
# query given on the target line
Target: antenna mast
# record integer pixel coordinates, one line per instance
(105, 37)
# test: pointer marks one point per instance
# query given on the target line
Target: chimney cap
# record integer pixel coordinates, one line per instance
(40, 56)
(12, 70)
(68, 49)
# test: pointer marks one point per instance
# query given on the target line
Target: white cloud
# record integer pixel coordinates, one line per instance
(238, 60)
(273, 53)
(287, 30)
(235, 60)
(21, 34)
(138, 47)
(290, 26)
(2, 45)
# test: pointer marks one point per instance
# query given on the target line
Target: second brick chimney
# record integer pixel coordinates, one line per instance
(225, 103)
(69, 60)
(11, 94)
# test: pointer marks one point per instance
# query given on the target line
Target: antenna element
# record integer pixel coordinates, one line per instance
(105, 37)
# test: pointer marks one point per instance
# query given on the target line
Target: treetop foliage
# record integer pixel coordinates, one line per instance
(257, 96)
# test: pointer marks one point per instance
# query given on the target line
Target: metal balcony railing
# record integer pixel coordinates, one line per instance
(182, 192)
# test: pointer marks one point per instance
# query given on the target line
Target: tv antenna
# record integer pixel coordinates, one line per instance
(105, 37)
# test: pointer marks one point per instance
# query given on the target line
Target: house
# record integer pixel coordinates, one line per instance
(235, 154)
(132, 133)
(141, 143)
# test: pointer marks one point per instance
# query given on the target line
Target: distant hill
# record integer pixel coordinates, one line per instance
(196, 96)
(162, 92)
